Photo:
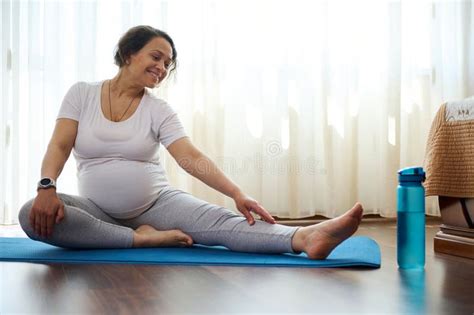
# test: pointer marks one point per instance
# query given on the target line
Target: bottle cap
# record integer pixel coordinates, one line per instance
(411, 174)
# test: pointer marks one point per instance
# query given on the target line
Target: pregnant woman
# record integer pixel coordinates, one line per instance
(115, 127)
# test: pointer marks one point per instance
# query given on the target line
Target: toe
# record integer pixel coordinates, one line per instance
(184, 238)
(357, 211)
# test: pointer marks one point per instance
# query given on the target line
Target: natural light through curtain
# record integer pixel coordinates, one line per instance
(309, 106)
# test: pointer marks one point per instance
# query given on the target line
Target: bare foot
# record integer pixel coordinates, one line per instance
(318, 240)
(148, 236)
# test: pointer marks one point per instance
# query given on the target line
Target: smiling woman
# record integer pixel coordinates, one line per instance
(144, 56)
(125, 199)
(147, 46)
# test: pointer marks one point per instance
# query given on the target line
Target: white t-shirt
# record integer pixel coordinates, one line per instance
(118, 166)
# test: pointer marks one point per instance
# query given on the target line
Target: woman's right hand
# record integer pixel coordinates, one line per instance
(46, 211)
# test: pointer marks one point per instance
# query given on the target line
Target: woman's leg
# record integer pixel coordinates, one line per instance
(84, 226)
(209, 224)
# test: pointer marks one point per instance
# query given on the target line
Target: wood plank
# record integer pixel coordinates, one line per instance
(454, 245)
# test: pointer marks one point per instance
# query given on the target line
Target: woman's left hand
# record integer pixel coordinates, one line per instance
(245, 205)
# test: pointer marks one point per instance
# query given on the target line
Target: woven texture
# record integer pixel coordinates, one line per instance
(449, 158)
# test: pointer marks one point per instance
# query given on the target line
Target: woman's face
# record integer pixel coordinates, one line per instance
(150, 64)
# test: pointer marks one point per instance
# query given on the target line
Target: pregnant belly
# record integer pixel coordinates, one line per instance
(123, 190)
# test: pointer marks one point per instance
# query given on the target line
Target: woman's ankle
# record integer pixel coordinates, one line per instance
(298, 240)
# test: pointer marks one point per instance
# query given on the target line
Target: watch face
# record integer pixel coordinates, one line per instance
(45, 181)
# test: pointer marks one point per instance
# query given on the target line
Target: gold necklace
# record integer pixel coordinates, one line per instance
(110, 106)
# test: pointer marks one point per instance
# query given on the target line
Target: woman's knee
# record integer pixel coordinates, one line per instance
(24, 218)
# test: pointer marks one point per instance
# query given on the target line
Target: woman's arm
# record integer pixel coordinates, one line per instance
(193, 161)
(47, 209)
(59, 148)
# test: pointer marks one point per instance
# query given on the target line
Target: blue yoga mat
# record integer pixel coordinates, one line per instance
(355, 251)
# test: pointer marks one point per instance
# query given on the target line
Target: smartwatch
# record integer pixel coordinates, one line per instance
(46, 183)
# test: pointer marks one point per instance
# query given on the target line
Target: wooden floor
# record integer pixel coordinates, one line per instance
(445, 287)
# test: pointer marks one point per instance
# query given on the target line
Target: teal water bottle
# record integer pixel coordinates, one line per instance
(411, 218)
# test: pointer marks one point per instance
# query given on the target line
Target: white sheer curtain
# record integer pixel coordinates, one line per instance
(308, 105)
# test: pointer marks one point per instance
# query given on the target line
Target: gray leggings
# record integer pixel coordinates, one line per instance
(85, 225)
